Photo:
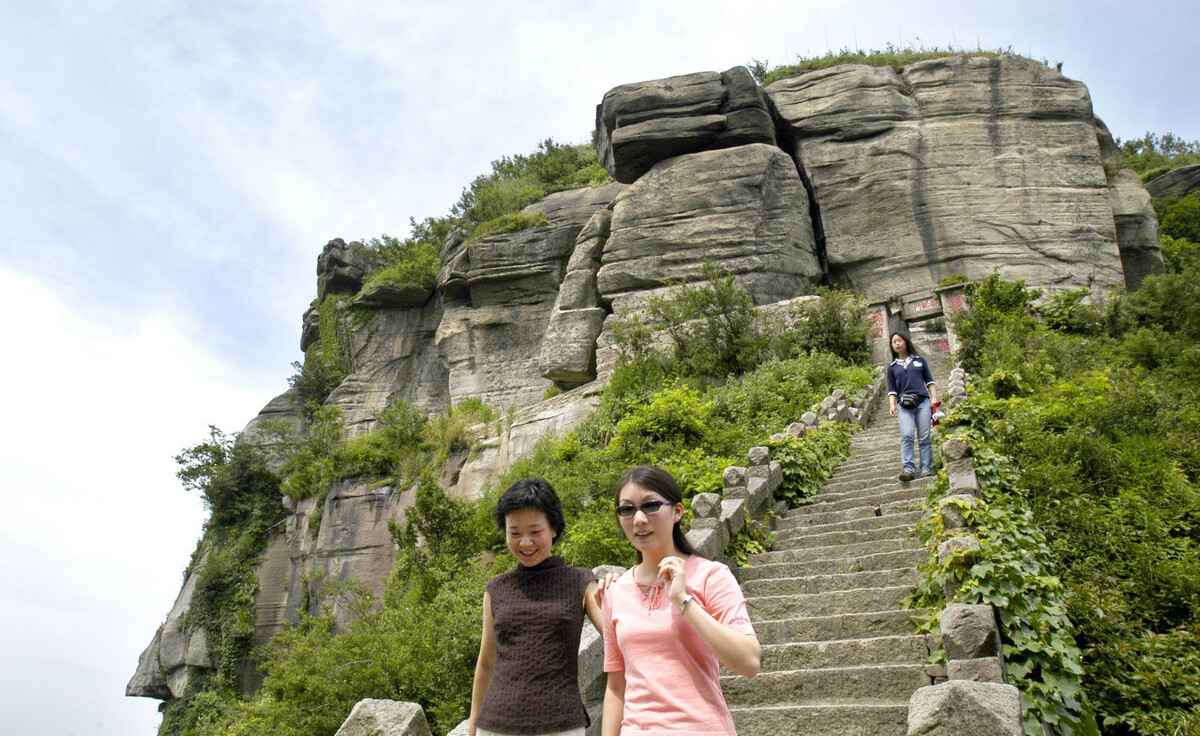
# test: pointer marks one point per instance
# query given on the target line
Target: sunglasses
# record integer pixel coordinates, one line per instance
(649, 507)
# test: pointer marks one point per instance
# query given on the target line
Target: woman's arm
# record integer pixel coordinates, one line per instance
(484, 665)
(592, 606)
(614, 705)
(738, 651)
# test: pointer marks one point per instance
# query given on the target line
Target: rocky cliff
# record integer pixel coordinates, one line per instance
(884, 181)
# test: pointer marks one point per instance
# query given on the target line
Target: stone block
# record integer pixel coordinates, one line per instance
(965, 546)
(809, 418)
(962, 707)
(827, 403)
(955, 449)
(758, 471)
(776, 476)
(197, 649)
(758, 489)
(837, 394)
(706, 505)
(372, 717)
(952, 513)
(779, 436)
(982, 669)
(707, 522)
(759, 455)
(735, 482)
(733, 514)
(963, 481)
(969, 631)
(708, 543)
(796, 429)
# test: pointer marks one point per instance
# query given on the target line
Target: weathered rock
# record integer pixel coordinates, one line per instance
(955, 449)
(1175, 183)
(706, 504)
(285, 411)
(961, 707)
(796, 429)
(759, 455)
(394, 357)
(744, 209)
(393, 295)
(951, 508)
(570, 210)
(1137, 227)
(733, 514)
(641, 124)
(969, 631)
(169, 664)
(956, 165)
(372, 717)
(963, 546)
(568, 355)
(310, 326)
(342, 266)
(983, 669)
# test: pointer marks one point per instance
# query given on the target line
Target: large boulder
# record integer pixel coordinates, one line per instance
(744, 209)
(342, 266)
(568, 354)
(1175, 183)
(952, 166)
(177, 655)
(638, 125)
(965, 707)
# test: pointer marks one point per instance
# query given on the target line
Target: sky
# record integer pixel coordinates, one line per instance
(169, 172)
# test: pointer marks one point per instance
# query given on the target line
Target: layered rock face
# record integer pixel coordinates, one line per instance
(638, 125)
(952, 166)
(1177, 183)
(744, 209)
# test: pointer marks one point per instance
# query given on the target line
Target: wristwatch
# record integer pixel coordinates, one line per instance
(683, 603)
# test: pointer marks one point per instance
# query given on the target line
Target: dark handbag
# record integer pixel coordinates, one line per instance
(909, 400)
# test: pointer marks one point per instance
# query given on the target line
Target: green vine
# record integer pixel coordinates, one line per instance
(1011, 572)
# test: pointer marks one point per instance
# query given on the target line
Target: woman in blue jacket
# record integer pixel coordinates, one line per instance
(911, 393)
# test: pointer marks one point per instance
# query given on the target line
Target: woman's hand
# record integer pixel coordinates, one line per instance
(671, 570)
(609, 579)
(892, 405)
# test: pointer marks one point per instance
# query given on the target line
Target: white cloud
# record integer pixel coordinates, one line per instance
(96, 529)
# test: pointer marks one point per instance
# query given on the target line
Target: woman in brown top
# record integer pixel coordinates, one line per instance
(527, 677)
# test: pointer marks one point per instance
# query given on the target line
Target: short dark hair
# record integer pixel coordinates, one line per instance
(654, 478)
(907, 344)
(532, 493)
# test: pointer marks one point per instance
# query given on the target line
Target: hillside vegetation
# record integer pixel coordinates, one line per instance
(1085, 420)
(896, 57)
(725, 379)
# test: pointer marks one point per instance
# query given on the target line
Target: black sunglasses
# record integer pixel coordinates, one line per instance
(647, 508)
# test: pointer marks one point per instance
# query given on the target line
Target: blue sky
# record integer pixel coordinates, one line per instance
(169, 172)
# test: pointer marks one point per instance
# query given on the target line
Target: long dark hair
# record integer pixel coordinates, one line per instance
(912, 352)
(654, 478)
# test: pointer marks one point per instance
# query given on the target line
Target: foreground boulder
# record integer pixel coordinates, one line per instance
(372, 717)
(952, 166)
(638, 125)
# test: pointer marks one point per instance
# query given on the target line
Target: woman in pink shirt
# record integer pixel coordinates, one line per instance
(670, 622)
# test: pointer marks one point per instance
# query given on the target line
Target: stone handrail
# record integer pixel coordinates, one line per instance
(972, 696)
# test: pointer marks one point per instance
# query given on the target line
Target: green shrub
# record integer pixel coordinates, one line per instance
(508, 223)
(1180, 218)
(835, 324)
(754, 538)
(1101, 499)
(809, 461)
(894, 56)
(327, 361)
(406, 263)
(1154, 154)
(1179, 253)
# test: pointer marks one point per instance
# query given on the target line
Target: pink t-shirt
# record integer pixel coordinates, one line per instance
(672, 677)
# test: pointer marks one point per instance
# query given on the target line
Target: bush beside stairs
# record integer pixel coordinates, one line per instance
(839, 655)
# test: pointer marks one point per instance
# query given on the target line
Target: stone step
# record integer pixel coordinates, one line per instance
(823, 719)
(809, 520)
(886, 519)
(886, 480)
(866, 461)
(878, 561)
(819, 511)
(811, 655)
(902, 539)
(888, 682)
(860, 600)
(875, 471)
(837, 627)
(917, 489)
(849, 536)
(832, 583)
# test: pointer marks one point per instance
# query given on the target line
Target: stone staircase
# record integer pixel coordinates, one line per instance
(839, 656)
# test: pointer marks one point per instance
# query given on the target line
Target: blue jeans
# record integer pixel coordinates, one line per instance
(917, 421)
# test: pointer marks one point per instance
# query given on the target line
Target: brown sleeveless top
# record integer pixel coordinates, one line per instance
(538, 616)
